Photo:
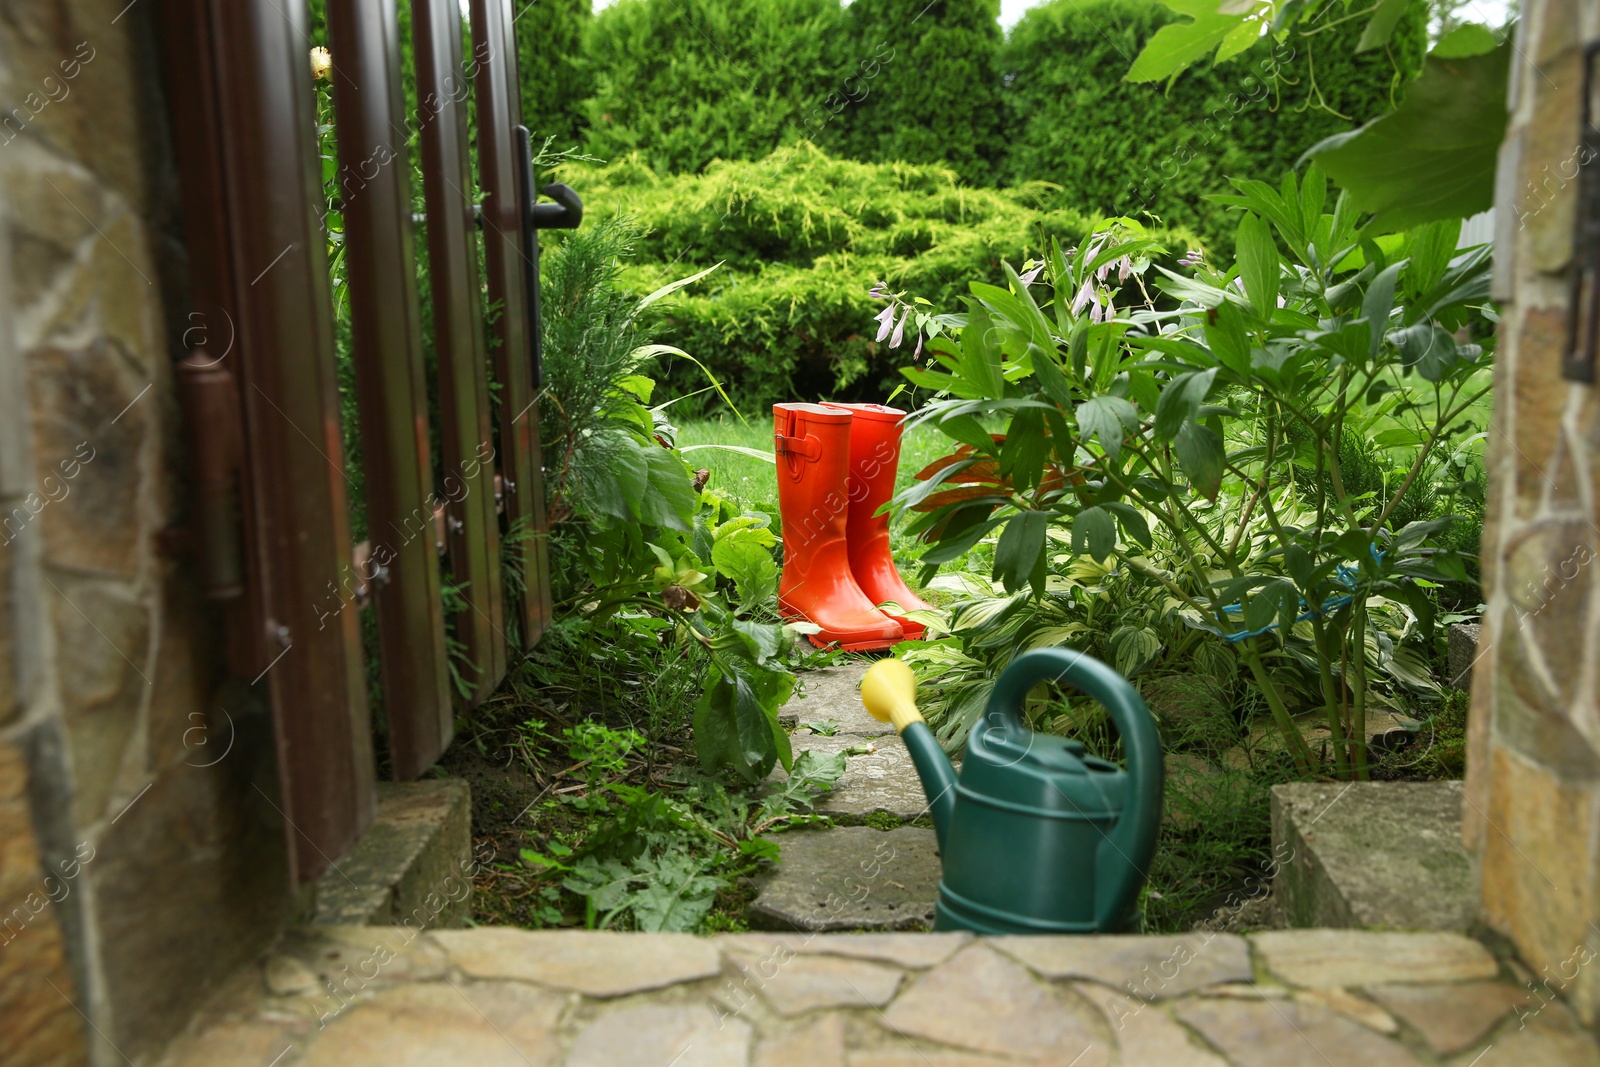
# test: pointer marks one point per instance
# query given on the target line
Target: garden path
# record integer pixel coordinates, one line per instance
(501, 997)
(878, 876)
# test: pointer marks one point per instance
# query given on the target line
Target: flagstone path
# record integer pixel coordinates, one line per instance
(852, 877)
(498, 997)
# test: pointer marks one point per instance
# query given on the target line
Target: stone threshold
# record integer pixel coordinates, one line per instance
(491, 996)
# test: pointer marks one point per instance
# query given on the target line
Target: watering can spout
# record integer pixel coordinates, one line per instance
(889, 691)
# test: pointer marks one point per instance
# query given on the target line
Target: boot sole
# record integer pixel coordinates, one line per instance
(875, 644)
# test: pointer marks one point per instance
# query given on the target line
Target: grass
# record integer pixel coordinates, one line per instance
(754, 481)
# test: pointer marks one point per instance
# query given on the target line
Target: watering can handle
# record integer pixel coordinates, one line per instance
(1123, 857)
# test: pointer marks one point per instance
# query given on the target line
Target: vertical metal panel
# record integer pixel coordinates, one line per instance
(465, 431)
(505, 260)
(244, 130)
(375, 186)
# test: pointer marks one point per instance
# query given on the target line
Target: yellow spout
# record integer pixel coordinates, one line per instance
(889, 691)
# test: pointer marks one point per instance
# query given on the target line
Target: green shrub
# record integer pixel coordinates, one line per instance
(916, 82)
(801, 237)
(554, 80)
(688, 81)
(1116, 147)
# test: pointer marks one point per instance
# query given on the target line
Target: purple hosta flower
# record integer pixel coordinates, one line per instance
(1111, 308)
(1101, 271)
(916, 357)
(1084, 298)
(900, 329)
(878, 291)
(1192, 258)
(1124, 268)
(885, 322)
(1033, 275)
(1095, 313)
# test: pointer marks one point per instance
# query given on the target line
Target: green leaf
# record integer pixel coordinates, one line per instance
(957, 541)
(980, 355)
(651, 351)
(668, 498)
(1178, 45)
(1468, 39)
(1094, 532)
(1132, 521)
(1192, 289)
(672, 287)
(1239, 39)
(1381, 26)
(1109, 418)
(1020, 548)
(1229, 341)
(1180, 401)
(1023, 454)
(1199, 451)
(1434, 156)
(754, 453)
(1430, 349)
(1051, 380)
(969, 431)
(676, 892)
(735, 716)
(748, 562)
(1297, 561)
(616, 487)
(1258, 264)
(1134, 648)
(1378, 302)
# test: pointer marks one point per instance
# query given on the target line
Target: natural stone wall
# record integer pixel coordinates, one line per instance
(140, 853)
(1532, 803)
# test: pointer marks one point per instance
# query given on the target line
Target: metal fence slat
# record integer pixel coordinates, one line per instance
(505, 260)
(375, 187)
(465, 430)
(248, 164)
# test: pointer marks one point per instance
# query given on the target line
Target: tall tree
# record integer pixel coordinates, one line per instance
(919, 84)
(684, 82)
(550, 68)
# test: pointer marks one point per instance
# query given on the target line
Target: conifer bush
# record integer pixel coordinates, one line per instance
(802, 236)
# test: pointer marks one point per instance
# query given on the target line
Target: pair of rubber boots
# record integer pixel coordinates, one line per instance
(836, 468)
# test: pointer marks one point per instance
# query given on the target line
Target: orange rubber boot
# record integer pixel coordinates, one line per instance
(813, 450)
(874, 459)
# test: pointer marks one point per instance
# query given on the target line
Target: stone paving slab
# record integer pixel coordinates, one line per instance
(567, 998)
(878, 776)
(583, 999)
(1151, 967)
(1370, 957)
(834, 693)
(851, 878)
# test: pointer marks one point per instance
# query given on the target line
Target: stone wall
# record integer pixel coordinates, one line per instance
(1532, 804)
(141, 856)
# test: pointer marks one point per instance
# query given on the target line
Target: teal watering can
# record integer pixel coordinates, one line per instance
(1037, 837)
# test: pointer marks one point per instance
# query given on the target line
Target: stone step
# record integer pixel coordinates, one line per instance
(851, 878)
(413, 865)
(1378, 855)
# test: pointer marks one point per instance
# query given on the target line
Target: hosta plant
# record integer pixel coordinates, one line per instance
(1281, 423)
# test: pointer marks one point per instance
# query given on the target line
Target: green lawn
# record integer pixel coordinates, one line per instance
(754, 481)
